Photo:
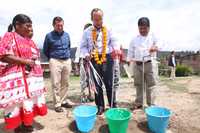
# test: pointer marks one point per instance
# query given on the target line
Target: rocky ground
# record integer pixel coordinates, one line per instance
(182, 96)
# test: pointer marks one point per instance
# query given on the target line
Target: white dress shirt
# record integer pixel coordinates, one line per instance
(87, 43)
(140, 46)
(173, 60)
(77, 55)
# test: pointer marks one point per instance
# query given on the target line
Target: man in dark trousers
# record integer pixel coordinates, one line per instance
(97, 45)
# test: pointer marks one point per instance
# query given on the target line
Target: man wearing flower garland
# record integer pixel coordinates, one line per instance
(98, 45)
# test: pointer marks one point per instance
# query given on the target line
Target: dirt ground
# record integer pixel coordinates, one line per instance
(182, 96)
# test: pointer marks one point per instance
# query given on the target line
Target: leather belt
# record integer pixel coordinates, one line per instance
(140, 62)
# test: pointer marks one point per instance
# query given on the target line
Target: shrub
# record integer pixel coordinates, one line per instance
(163, 70)
(183, 71)
(197, 72)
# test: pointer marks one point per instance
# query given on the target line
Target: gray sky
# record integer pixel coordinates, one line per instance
(175, 22)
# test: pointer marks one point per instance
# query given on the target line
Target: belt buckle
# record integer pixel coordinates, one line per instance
(148, 61)
(138, 63)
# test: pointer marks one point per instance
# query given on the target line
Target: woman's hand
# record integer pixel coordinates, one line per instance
(30, 62)
(29, 65)
(11, 59)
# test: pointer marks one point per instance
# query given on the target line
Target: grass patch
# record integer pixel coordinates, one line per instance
(174, 85)
(76, 79)
(72, 78)
(1, 114)
(164, 78)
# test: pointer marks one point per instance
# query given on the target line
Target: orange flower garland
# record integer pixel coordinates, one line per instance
(104, 42)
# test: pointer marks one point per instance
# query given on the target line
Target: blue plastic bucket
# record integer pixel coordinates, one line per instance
(85, 117)
(157, 119)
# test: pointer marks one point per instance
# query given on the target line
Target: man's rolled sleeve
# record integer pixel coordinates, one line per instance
(131, 51)
(46, 47)
(113, 41)
(84, 51)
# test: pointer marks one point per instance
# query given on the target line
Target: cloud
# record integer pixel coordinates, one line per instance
(174, 22)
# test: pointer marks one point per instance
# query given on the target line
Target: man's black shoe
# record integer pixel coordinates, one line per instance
(66, 105)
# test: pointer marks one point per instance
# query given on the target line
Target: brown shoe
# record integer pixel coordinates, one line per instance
(136, 106)
(27, 129)
(66, 105)
(59, 109)
(90, 98)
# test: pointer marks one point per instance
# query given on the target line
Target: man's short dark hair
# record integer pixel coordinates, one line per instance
(87, 25)
(95, 10)
(144, 21)
(57, 18)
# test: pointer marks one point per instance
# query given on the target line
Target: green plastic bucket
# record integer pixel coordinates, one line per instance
(117, 119)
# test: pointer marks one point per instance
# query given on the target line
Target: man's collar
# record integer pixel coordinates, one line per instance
(58, 33)
(98, 29)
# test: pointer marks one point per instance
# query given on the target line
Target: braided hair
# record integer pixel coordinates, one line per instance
(19, 19)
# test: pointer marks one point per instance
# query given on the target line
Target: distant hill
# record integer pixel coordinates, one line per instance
(160, 54)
